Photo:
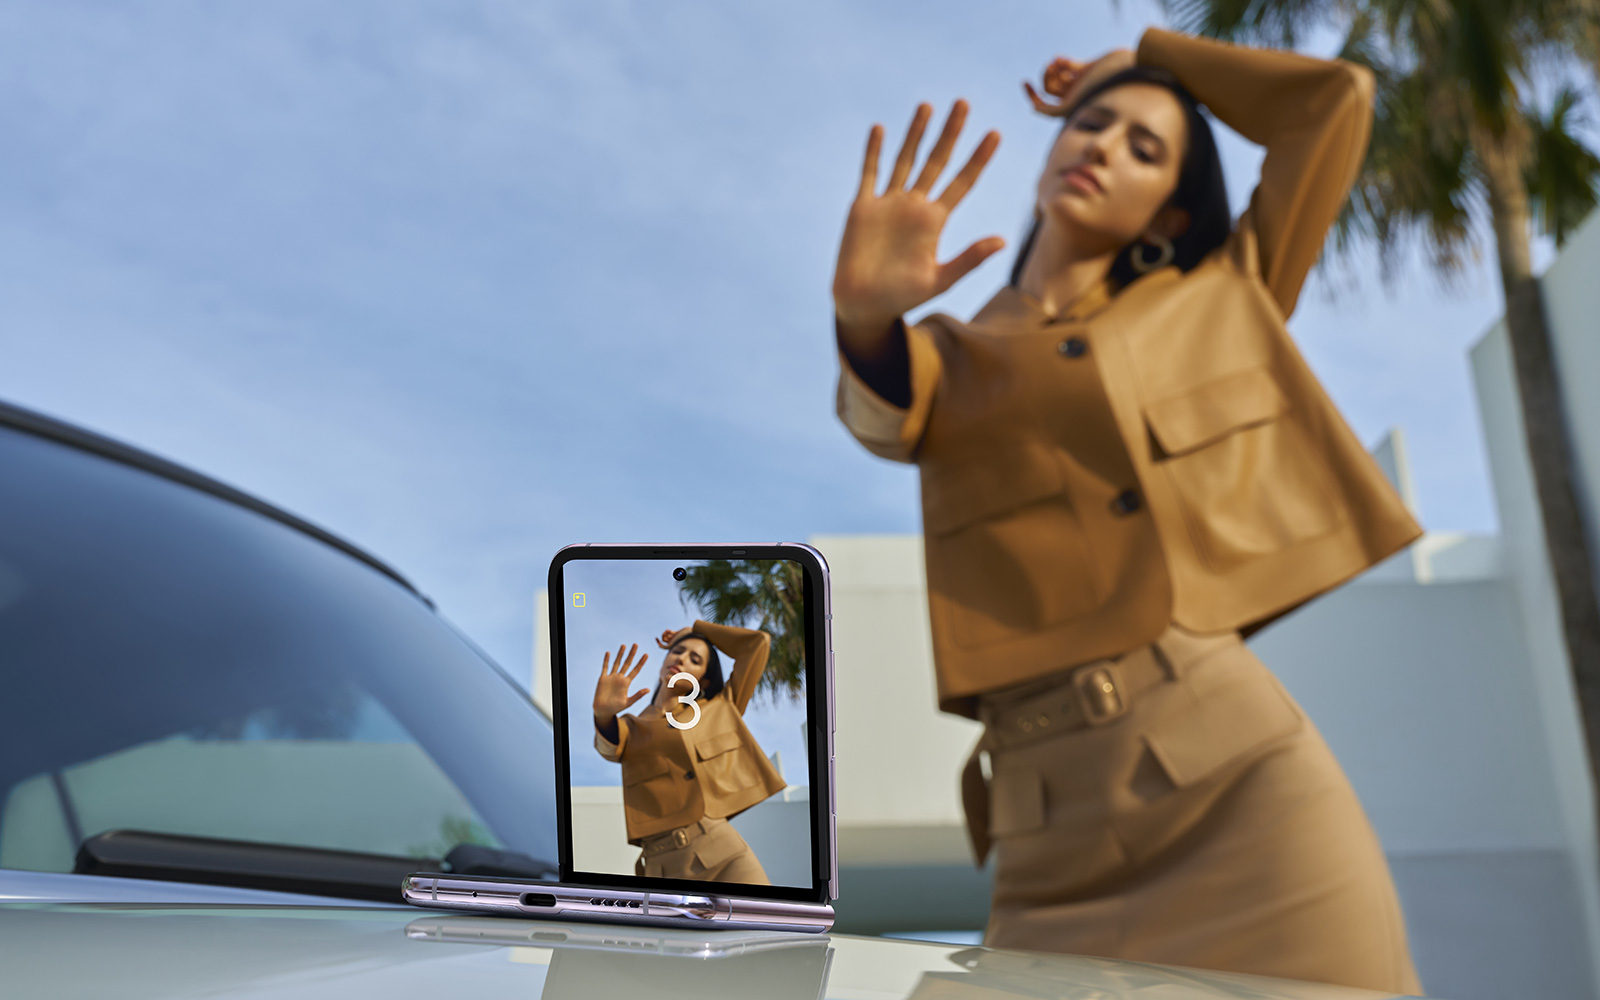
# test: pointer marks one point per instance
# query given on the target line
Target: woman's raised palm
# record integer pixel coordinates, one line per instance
(888, 259)
(616, 676)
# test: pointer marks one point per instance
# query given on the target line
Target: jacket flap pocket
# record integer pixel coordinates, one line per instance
(652, 767)
(1016, 801)
(1224, 727)
(957, 493)
(1197, 418)
(716, 745)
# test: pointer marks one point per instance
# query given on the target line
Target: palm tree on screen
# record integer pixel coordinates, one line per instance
(768, 594)
(1461, 140)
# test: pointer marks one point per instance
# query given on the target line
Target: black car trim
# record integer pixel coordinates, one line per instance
(55, 430)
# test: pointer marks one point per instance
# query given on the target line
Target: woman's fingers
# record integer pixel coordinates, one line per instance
(954, 270)
(636, 696)
(1041, 105)
(941, 149)
(908, 149)
(869, 170)
(962, 183)
(635, 671)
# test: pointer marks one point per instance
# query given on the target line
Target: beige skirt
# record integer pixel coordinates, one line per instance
(710, 850)
(1175, 806)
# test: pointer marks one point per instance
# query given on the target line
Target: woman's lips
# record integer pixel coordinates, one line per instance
(1083, 179)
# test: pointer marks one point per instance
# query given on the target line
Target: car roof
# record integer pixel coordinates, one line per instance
(61, 432)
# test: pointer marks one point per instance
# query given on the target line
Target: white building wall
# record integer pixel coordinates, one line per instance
(1573, 308)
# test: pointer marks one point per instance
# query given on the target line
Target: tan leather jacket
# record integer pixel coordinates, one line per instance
(1161, 455)
(673, 777)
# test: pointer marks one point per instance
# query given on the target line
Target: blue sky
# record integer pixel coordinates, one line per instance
(467, 280)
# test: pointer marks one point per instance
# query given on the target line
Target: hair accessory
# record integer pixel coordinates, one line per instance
(1164, 253)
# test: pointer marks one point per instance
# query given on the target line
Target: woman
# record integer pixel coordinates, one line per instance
(689, 763)
(1125, 462)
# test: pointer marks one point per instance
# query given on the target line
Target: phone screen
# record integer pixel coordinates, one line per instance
(690, 718)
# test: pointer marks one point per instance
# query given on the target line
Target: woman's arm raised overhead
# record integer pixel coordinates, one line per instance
(1313, 116)
(749, 648)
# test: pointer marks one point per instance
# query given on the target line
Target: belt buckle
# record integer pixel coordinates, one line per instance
(1098, 693)
(680, 837)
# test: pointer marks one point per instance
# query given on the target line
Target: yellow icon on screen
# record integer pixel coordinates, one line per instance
(577, 600)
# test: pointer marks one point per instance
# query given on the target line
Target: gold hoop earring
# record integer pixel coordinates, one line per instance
(1164, 253)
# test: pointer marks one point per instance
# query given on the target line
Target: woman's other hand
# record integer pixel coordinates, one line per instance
(1065, 78)
(668, 637)
(611, 691)
(888, 260)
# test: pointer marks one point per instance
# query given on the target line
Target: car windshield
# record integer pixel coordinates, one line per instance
(176, 663)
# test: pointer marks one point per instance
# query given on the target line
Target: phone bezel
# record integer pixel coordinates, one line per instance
(819, 714)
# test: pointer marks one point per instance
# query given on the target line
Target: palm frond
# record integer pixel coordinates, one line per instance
(1419, 182)
(768, 594)
(1272, 22)
(1562, 172)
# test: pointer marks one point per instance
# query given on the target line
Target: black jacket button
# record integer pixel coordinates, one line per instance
(1072, 347)
(1126, 502)
(688, 776)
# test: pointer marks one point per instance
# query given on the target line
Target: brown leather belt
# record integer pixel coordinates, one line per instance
(1092, 695)
(672, 840)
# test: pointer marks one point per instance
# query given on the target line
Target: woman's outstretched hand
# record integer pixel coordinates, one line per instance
(888, 259)
(611, 691)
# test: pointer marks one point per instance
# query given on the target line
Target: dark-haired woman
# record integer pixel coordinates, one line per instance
(1125, 463)
(689, 763)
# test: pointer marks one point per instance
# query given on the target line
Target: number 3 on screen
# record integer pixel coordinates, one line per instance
(687, 699)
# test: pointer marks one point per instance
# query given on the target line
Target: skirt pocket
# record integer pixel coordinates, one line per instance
(1016, 802)
(1049, 824)
(1221, 727)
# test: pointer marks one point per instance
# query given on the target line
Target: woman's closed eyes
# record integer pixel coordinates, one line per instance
(1145, 145)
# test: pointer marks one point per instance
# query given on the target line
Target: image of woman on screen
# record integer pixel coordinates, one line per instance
(689, 762)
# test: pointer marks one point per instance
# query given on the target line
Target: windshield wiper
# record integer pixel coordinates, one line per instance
(248, 864)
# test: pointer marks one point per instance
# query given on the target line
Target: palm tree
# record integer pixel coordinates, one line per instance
(1457, 137)
(768, 594)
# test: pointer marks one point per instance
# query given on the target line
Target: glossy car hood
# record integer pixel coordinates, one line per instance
(272, 949)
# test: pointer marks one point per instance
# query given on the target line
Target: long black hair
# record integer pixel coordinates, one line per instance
(711, 682)
(1200, 190)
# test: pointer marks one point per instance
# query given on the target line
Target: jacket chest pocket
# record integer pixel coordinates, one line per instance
(1006, 552)
(725, 764)
(1245, 471)
(650, 787)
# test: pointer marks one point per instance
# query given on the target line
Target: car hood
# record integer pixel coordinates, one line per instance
(135, 946)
